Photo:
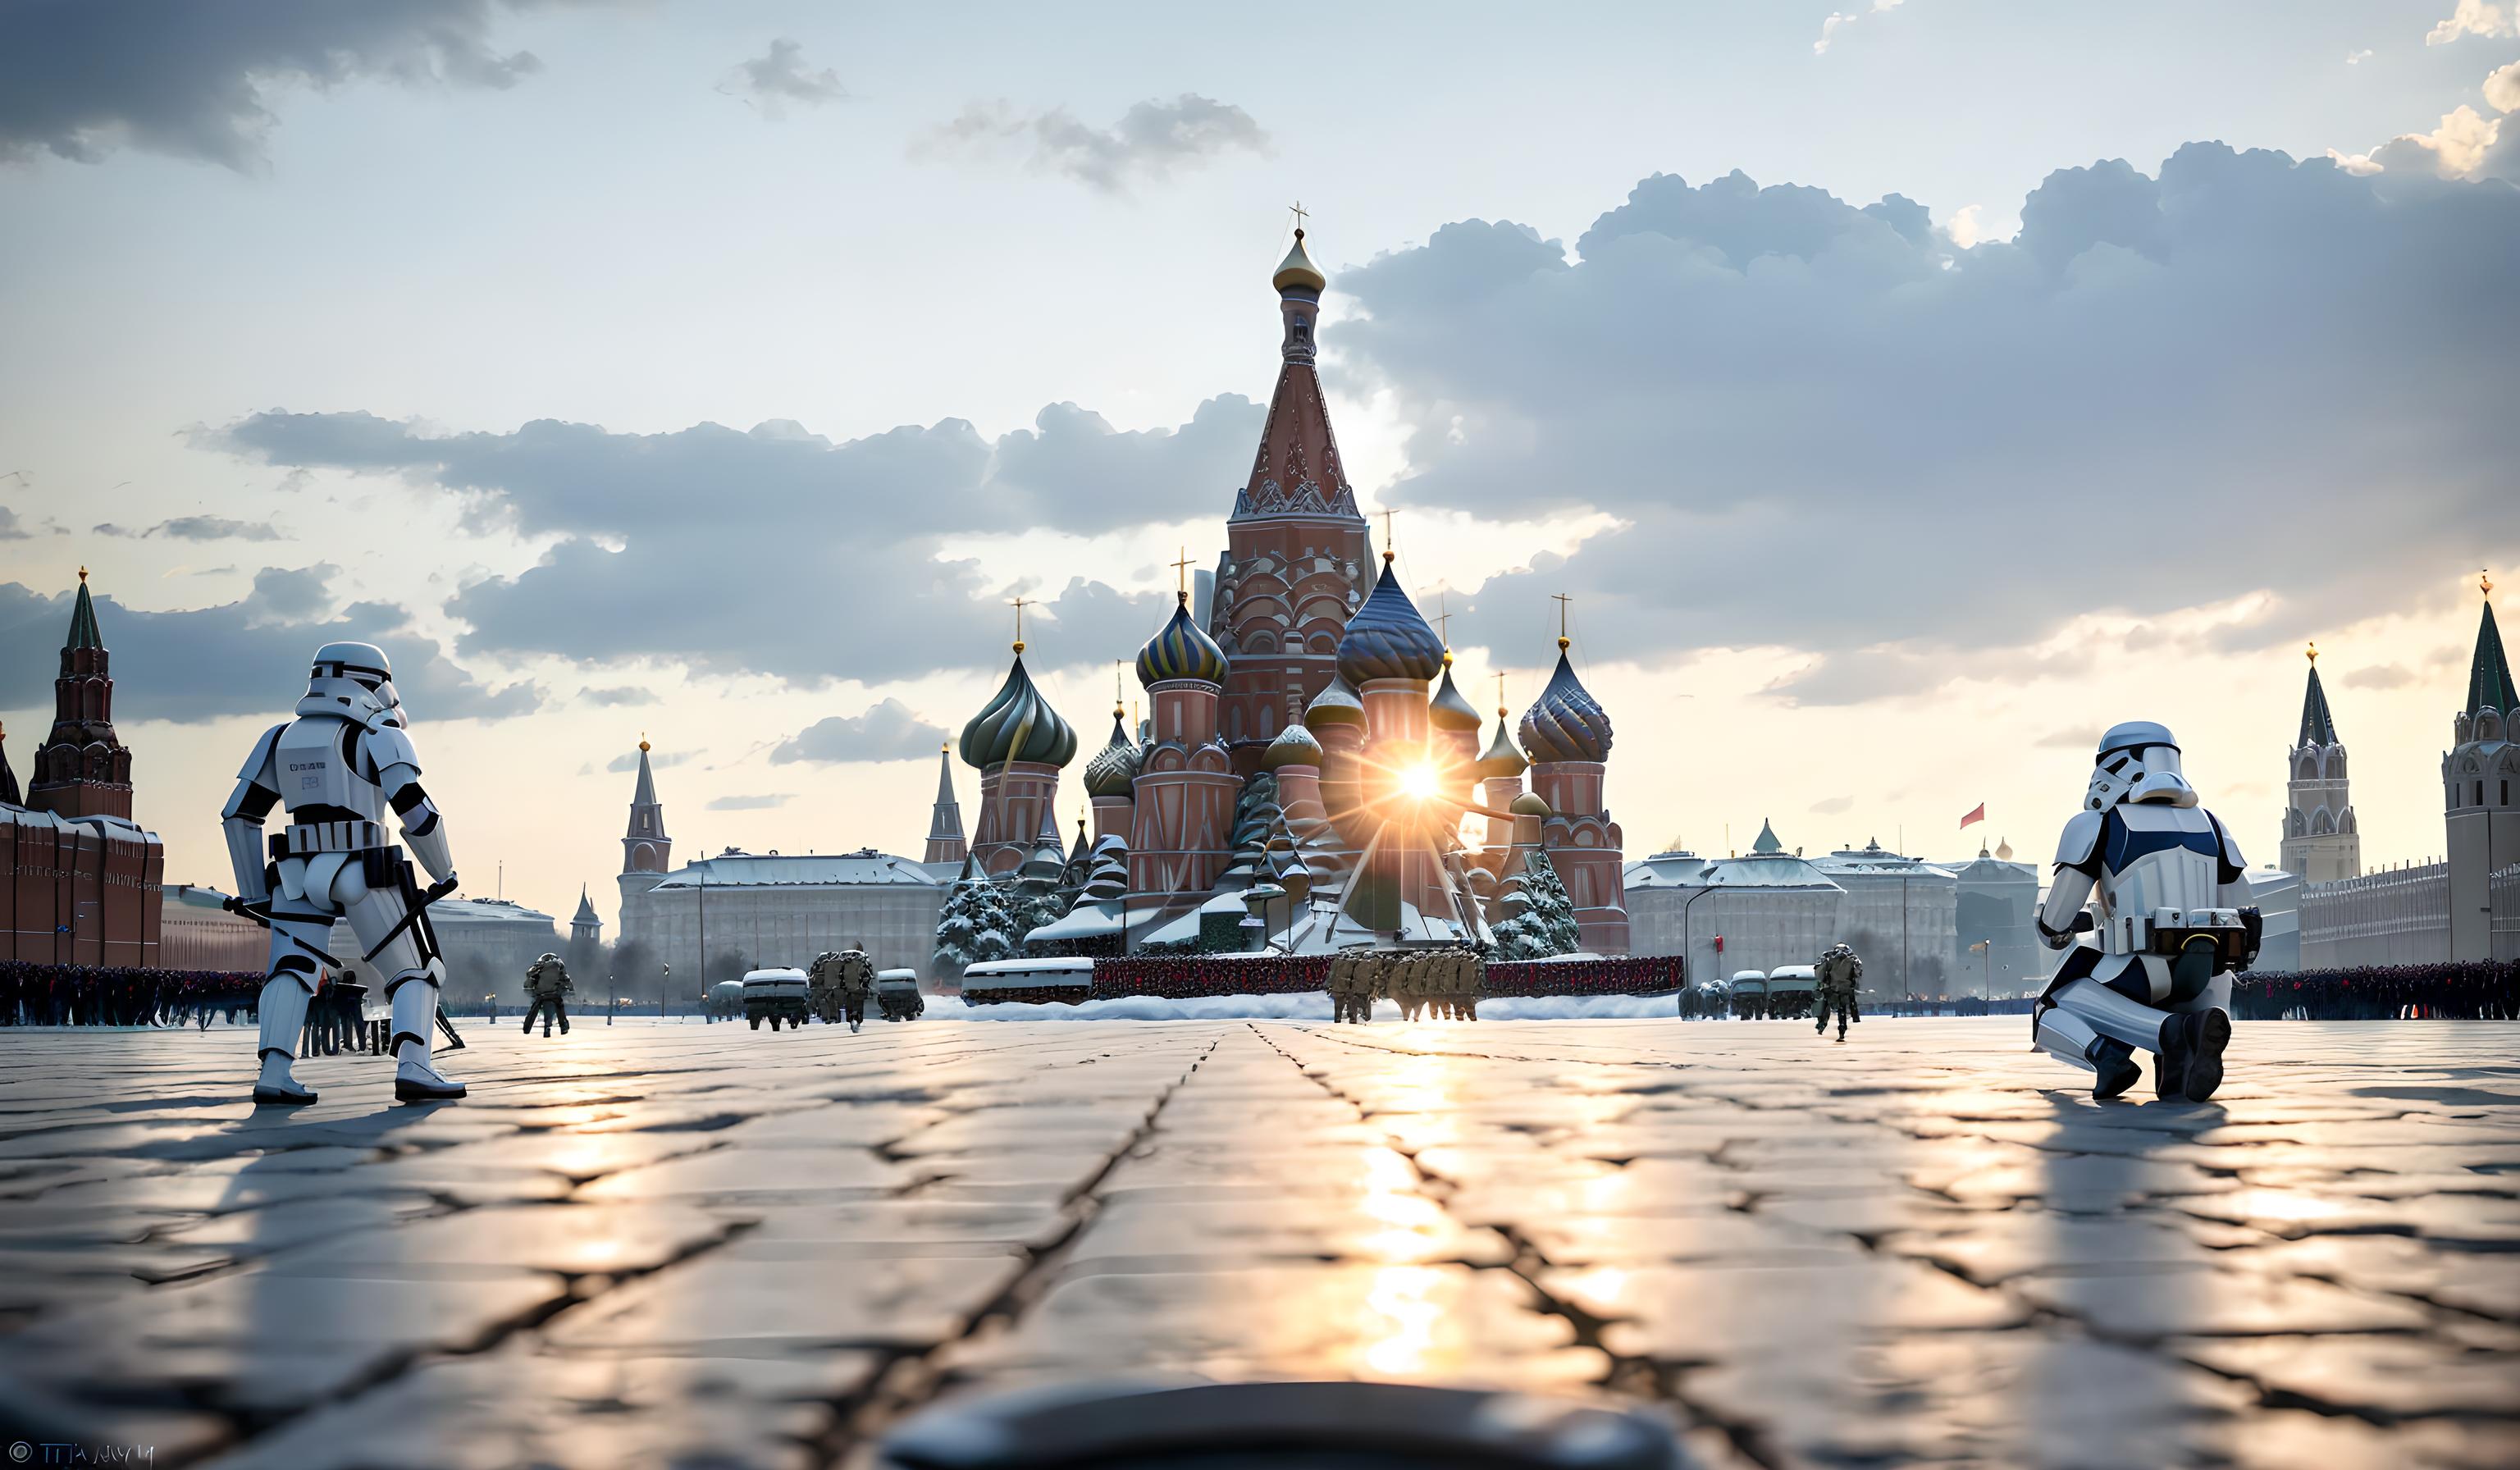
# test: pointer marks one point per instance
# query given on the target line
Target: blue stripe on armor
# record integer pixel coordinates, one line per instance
(2123, 845)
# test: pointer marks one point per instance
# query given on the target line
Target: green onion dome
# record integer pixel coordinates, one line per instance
(1566, 723)
(1294, 746)
(1389, 637)
(1181, 650)
(1018, 725)
(1336, 704)
(1448, 711)
(1113, 769)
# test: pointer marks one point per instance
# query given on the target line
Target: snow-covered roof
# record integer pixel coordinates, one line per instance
(486, 911)
(1873, 860)
(1086, 921)
(1686, 870)
(987, 968)
(865, 868)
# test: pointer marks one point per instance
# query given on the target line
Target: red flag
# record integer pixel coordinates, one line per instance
(1976, 816)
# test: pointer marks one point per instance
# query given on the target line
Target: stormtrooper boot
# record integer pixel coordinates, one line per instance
(2114, 1061)
(415, 1011)
(282, 1012)
(2191, 1064)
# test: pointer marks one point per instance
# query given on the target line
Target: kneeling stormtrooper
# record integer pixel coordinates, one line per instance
(337, 767)
(2174, 923)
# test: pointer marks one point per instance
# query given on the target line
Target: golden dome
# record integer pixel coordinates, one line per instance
(1298, 270)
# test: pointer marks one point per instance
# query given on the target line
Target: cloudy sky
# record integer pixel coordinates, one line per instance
(1903, 392)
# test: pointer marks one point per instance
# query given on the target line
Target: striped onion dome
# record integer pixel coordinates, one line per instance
(1389, 637)
(1336, 704)
(1181, 650)
(1294, 746)
(1448, 711)
(1113, 769)
(1502, 759)
(1566, 723)
(1018, 725)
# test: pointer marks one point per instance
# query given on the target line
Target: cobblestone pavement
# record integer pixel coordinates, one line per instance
(665, 1242)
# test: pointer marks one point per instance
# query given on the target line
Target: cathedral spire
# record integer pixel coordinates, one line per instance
(645, 846)
(1299, 471)
(2489, 678)
(945, 842)
(2318, 725)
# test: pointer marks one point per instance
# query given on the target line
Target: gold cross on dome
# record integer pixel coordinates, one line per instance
(1387, 549)
(1181, 574)
(1018, 605)
(1298, 208)
(1562, 600)
(1500, 694)
(1443, 621)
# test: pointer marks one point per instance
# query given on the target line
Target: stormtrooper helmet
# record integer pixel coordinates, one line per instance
(352, 679)
(2139, 761)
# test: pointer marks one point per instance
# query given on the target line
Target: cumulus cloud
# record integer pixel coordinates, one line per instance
(199, 528)
(779, 76)
(886, 732)
(2472, 17)
(2455, 149)
(79, 79)
(645, 566)
(1150, 142)
(238, 658)
(618, 698)
(1762, 381)
(758, 803)
(2503, 88)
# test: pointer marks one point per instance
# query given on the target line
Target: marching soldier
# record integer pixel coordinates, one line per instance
(822, 987)
(856, 986)
(546, 982)
(1839, 969)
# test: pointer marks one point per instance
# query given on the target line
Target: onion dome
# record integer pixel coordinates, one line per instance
(1502, 758)
(1389, 637)
(1336, 704)
(1294, 746)
(1018, 725)
(1297, 272)
(1566, 723)
(1448, 711)
(1181, 650)
(1113, 770)
(1530, 804)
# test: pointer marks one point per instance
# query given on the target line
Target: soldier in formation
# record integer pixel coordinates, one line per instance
(1839, 969)
(547, 982)
(839, 985)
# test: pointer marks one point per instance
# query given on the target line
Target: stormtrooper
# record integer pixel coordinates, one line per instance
(2173, 924)
(337, 767)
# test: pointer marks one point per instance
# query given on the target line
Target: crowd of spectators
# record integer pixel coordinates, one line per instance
(1183, 977)
(78, 994)
(2454, 990)
(1624, 975)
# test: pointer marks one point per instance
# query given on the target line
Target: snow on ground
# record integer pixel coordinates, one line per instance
(1313, 1005)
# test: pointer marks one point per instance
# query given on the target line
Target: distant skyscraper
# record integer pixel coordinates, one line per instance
(2320, 842)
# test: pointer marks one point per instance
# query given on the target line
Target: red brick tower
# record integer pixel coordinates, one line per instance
(1296, 551)
(81, 770)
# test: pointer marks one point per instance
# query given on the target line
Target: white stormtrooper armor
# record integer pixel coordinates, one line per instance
(2173, 923)
(336, 768)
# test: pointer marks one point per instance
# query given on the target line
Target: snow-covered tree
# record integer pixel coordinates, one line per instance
(1543, 924)
(975, 923)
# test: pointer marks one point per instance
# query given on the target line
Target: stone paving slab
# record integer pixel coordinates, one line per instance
(681, 1243)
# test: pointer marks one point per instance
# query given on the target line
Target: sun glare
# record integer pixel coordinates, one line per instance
(1419, 781)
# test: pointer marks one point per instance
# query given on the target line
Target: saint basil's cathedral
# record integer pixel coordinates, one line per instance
(1306, 746)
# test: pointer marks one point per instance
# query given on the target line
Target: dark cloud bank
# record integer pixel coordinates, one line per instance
(80, 78)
